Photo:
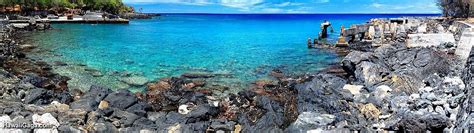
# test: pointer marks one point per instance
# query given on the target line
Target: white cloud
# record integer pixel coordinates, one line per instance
(308, 6)
(272, 10)
(240, 3)
(265, 6)
(404, 8)
(377, 5)
(321, 1)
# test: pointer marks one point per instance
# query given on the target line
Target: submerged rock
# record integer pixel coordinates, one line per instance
(135, 80)
(197, 75)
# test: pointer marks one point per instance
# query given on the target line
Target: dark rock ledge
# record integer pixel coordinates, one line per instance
(391, 87)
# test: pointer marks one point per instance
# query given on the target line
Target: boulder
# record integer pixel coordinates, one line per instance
(369, 111)
(121, 99)
(222, 124)
(202, 113)
(103, 105)
(97, 93)
(72, 117)
(144, 123)
(69, 129)
(86, 104)
(91, 99)
(354, 89)
(433, 122)
(39, 96)
(381, 92)
(310, 120)
(371, 73)
(354, 58)
(268, 117)
(104, 128)
(6, 119)
(140, 108)
(125, 119)
(321, 94)
(45, 119)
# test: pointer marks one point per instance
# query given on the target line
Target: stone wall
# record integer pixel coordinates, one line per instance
(465, 43)
(465, 116)
(428, 40)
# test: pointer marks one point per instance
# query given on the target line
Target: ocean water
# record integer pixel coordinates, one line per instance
(240, 48)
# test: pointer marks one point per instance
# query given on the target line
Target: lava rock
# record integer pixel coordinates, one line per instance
(322, 94)
(121, 99)
(309, 121)
(39, 96)
(126, 119)
(91, 99)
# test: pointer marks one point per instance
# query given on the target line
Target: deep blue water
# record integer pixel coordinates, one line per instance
(246, 47)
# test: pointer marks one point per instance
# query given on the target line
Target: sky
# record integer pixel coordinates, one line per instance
(285, 6)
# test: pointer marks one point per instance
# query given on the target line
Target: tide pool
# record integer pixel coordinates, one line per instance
(240, 48)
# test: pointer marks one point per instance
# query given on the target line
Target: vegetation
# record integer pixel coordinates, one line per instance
(111, 6)
(457, 8)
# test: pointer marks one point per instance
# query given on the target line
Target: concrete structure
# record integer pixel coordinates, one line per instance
(77, 17)
(428, 40)
(93, 16)
(465, 43)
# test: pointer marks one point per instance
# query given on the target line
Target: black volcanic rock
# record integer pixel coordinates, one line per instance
(121, 99)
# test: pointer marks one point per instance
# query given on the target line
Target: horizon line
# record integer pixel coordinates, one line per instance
(297, 13)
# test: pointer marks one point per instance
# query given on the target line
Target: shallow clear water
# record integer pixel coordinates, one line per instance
(242, 47)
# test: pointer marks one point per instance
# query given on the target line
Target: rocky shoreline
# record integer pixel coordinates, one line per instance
(385, 87)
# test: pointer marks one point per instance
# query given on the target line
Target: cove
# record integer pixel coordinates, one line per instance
(238, 48)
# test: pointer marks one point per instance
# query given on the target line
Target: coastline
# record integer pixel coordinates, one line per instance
(322, 101)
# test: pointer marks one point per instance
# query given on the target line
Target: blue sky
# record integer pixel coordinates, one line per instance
(286, 6)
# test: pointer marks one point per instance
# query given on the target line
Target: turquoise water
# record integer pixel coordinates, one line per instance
(241, 47)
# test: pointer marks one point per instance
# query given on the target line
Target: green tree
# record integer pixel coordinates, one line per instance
(112, 6)
(455, 8)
